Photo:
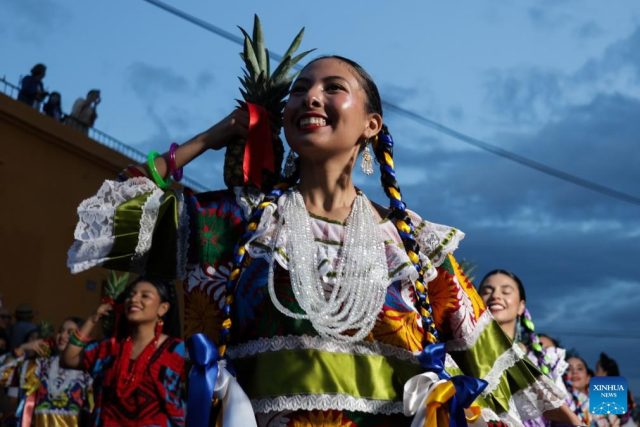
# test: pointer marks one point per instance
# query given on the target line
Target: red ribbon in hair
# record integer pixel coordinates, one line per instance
(258, 151)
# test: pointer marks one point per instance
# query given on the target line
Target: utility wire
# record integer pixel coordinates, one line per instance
(595, 334)
(530, 163)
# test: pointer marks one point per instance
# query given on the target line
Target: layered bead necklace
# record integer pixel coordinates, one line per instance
(348, 311)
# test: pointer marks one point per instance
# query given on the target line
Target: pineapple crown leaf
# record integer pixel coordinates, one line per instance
(116, 284)
(249, 57)
(299, 57)
(268, 65)
(258, 43)
(280, 73)
(295, 44)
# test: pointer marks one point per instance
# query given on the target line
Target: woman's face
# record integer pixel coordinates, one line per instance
(144, 305)
(326, 114)
(62, 337)
(578, 374)
(501, 295)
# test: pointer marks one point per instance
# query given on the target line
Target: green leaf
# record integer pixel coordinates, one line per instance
(258, 43)
(297, 58)
(282, 69)
(268, 67)
(295, 44)
(250, 58)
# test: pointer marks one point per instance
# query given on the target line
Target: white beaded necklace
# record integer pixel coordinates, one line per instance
(349, 311)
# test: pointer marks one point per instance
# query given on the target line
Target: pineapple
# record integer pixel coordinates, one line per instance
(116, 284)
(268, 90)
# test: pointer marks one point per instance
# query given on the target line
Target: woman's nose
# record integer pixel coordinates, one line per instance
(313, 98)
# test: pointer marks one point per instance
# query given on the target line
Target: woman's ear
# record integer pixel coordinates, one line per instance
(163, 309)
(373, 125)
(521, 308)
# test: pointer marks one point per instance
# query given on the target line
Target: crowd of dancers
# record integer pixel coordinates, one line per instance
(325, 309)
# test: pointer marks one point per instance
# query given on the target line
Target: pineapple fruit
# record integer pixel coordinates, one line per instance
(268, 90)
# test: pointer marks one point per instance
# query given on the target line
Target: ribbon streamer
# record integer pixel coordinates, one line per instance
(258, 151)
(437, 399)
(209, 377)
(202, 379)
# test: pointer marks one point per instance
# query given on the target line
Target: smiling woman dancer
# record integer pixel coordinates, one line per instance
(504, 295)
(330, 297)
(138, 374)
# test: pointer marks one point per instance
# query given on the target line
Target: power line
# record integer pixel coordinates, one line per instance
(595, 334)
(524, 161)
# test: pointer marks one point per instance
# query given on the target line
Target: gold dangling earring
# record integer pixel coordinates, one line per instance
(366, 163)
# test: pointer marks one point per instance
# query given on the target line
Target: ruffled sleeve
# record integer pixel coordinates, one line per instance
(517, 390)
(9, 369)
(132, 226)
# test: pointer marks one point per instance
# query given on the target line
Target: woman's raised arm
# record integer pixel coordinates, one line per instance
(235, 125)
(72, 354)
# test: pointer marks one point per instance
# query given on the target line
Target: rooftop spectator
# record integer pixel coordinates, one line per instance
(32, 90)
(83, 114)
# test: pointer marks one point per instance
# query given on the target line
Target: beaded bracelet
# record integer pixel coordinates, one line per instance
(78, 340)
(151, 165)
(173, 170)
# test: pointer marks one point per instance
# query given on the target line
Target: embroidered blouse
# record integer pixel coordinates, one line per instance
(159, 397)
(56, 396)
(292, 375)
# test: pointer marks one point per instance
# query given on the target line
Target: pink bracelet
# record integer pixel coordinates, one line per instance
(175, 172)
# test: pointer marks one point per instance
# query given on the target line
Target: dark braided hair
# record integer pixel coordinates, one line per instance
(240, 251)
(526, 322)
(383, 148)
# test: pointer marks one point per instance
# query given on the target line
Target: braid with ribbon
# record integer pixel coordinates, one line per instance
(240, 251)
(528, 328)
(383, 149)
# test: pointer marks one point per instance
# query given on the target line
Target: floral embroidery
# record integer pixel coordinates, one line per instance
(320, 419)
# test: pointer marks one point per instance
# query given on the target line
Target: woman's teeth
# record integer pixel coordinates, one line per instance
(312, 121)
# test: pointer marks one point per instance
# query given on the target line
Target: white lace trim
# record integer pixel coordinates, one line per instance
(505, 361)
(183, 237)
(326, 402)
(511, 417)
(467, 341)
(94, 232)
(539, 397)
(432, 237)
(304, 342)
(148, 221)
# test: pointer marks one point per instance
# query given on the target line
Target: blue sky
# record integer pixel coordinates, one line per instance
(555, 80)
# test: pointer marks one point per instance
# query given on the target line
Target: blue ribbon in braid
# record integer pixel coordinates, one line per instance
(384, 153)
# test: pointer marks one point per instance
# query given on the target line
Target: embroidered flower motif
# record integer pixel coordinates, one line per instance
(321, 419)
(398, 324)
(211, 280)
(201, 314)
(218, 232)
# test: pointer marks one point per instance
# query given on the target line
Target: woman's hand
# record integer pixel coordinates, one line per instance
(232, 127)
(101, 311)
(40, 347)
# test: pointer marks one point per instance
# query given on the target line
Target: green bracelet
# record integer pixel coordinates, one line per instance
(74, 340)
(151, 165)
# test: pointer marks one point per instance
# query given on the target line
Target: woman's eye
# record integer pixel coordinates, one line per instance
(334, 87)
(297, 89)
